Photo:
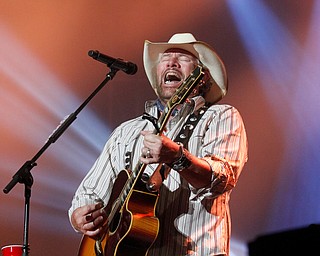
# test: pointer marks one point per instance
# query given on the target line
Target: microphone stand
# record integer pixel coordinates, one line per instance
(24, 176)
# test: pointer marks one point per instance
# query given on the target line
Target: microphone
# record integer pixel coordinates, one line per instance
(126, 66)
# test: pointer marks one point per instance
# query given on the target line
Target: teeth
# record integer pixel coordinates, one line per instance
(171, 81)
(172, 77)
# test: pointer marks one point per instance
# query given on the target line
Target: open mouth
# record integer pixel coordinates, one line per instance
(172, 77)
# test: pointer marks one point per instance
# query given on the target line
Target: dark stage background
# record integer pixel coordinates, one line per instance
(271, 51)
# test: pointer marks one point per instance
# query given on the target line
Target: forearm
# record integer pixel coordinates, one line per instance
(211, 173)
(198, 173)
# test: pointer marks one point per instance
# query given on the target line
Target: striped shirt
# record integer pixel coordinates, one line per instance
(192, 221)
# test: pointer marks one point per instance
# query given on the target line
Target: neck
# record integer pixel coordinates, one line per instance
(161, 106)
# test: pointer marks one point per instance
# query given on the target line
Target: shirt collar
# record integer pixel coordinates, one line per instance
(153, 106)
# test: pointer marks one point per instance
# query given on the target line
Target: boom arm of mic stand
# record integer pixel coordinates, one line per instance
(23, 174)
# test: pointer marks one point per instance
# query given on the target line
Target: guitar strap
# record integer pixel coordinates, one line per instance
(187, 129)
(183, 137)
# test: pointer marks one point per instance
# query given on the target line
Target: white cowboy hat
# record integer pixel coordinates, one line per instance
(206, 55)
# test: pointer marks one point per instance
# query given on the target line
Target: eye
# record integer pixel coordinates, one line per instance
(185, 58)
(165, 57)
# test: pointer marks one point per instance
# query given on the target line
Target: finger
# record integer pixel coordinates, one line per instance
(90, 213)
(93, 225)
(86, 209)
(89, 217)
(143, 133)
(148, 154)
(94, 233)
(145, 160)
(95, 211)
(99, 204)
(89, 226)
(149, 139)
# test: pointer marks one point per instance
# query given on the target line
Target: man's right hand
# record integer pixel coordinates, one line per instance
(89, 219)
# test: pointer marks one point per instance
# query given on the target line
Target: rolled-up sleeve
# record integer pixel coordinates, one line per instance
(223, 144)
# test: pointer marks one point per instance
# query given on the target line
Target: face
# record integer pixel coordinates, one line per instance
(174, 66)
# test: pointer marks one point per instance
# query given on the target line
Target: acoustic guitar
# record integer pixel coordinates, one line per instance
(132, 226)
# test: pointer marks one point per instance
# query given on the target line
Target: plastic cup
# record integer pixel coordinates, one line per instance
(12, 250)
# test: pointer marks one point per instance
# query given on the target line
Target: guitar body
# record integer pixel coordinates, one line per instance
(138, 227)
(87, 246)
(133, 229)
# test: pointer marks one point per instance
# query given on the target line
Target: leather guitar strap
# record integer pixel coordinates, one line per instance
(187, 130)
